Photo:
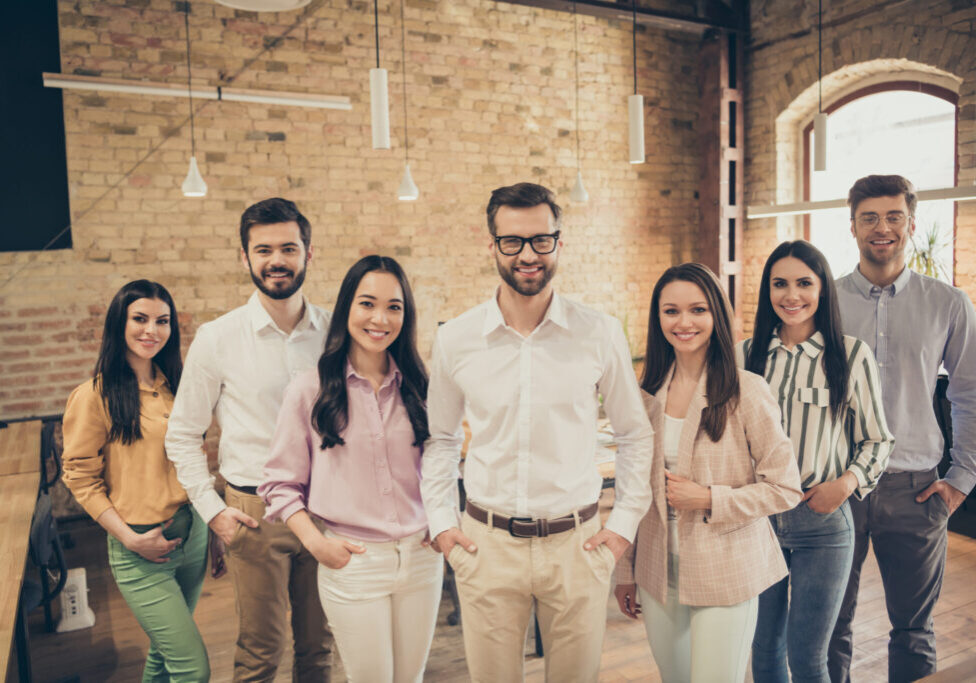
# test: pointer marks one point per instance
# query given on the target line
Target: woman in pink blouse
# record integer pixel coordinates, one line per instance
(344, 475)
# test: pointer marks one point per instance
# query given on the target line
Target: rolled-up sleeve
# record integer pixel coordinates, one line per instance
(288, 472)
(633, 434)
(85, 435)
(442, 451)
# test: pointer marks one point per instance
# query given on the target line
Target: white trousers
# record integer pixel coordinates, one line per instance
(382, 608)
(698, 644)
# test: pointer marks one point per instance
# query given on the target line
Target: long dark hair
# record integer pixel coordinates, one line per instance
(826, 319)
(722, 383)
(330, 413)
(114, 378)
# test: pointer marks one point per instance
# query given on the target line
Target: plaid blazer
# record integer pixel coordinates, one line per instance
(731, 554)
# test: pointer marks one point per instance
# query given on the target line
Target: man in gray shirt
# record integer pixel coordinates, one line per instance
(914, 324)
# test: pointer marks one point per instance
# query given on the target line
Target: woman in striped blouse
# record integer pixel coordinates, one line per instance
(829, 395)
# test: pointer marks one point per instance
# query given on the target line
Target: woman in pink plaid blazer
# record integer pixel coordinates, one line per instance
(705, 550)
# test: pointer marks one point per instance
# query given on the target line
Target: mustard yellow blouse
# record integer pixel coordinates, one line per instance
(137, 479)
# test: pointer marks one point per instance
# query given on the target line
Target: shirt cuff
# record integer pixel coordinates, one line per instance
(720, 503)
(441, 520)
(960, 479)
(97, 505)
(281, 514)
(862, 481)
(209, 505)
(623, 523)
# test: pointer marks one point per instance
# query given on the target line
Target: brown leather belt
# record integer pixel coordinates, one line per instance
(526, 527)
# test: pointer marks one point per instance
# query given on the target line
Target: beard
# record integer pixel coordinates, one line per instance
(277, 289)
(523, 287)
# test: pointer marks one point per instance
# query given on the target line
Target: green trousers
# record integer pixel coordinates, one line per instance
(162, 597)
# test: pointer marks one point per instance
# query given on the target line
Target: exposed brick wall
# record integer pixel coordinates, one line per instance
(490, 102)
(862, 38)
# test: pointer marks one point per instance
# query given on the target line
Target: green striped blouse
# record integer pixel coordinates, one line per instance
(825, 448)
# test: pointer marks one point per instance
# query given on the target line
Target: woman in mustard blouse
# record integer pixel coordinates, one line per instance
(116, 467)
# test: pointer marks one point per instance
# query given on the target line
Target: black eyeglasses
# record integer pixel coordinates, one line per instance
(511, 245)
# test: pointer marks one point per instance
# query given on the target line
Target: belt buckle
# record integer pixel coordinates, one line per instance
(527, 520)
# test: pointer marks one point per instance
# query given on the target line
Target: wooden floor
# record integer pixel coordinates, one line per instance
(114, 649)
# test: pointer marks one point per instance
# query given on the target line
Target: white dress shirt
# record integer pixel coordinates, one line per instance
(236, 370)
(531, 403)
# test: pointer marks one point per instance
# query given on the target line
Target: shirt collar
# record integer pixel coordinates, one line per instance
(260, 318)
(158, 383)
(812, 345)
(555, 313)
(865, 286)
(392, 374)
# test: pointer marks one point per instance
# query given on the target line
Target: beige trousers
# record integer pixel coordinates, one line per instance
(498, 583)
(272, 571)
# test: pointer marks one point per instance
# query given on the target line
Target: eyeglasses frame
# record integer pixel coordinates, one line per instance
(527, 240)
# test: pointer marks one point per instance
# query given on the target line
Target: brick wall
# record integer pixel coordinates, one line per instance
(490, 96)
(864, 41)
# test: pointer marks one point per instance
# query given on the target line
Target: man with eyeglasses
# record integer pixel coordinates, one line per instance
(914, 324)
(526, 368)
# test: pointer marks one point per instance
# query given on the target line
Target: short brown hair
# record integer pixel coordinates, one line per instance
(872, 186)
(270, 212)
(520, 196)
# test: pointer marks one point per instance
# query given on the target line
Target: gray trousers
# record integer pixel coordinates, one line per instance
(909, 542)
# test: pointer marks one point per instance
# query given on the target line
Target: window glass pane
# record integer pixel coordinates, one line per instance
(908, 133)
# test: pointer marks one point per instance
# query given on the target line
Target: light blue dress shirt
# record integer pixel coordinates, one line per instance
(913, 326)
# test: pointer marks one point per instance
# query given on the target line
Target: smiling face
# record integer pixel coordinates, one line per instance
(276, 258)
(527, 273)
(686, 319)
(147, 329)
(794, 292)
(881, 244)
(376, 314)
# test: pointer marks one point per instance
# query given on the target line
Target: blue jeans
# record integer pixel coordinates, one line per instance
(797, 614)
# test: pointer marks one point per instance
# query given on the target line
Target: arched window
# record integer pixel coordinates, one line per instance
(902, 127)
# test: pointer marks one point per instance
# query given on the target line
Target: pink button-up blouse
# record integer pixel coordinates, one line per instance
(367, 489)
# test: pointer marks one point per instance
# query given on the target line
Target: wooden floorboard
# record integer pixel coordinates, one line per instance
(114, 649)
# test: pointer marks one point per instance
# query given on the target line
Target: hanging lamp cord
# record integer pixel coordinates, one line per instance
(820, 54)
(189, 91)
(576, 53)
(376, 25)
(633, 6)
(403, 58)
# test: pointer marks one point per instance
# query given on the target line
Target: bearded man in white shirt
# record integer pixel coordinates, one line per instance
(236, 371)
(526, 369)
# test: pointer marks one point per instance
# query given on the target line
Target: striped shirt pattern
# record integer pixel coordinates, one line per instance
(826, 448)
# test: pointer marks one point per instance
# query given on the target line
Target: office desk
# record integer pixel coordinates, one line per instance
(20, 448)
(18, 493)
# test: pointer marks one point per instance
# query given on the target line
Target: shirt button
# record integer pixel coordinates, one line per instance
(155, 394)
(166, 415)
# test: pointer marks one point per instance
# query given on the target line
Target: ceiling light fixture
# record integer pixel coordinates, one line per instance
(579, 193)
(193, 184)
(820, 120)
(407, 191)
(961, 193)
(379, 99)
(635, 104)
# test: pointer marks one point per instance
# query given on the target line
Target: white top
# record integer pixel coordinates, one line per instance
(236, 370)
(672, 435)
(531, 403)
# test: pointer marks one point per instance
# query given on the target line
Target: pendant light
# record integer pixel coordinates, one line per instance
(379, 100)
(579, 193)
(820, 120)
(635, 106)
(193, 184)
(407, 191)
